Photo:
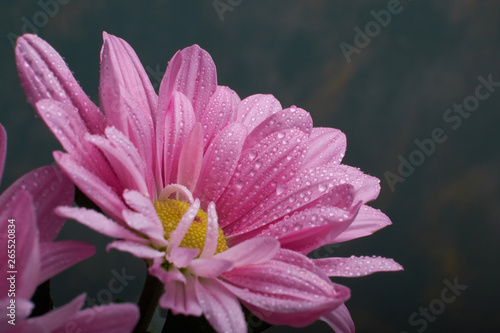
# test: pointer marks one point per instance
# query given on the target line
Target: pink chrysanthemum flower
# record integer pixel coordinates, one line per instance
(29, 227)
(223, 197)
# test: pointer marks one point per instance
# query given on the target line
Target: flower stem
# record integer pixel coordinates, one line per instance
(148, 302)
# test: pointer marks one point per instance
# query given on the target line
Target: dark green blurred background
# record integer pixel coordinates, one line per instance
(395, 90)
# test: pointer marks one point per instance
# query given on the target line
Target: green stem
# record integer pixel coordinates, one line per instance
(148, 302)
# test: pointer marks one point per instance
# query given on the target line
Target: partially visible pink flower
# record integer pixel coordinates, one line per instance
(26, 211)
(159, 165)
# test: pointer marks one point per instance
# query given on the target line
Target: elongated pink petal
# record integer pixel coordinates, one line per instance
(221, 309)
(143, 205)
(99, 223)
(120, 61)
(181, 257)
(69, 129)
(220, 111)
(191, 158)
(181, 298)
(173, 274)
(48, 187)
(176, 125)
(17, 217)
(299, 193)
(326, 145)
(284, 294)
(58, 256)
(219, 163)
(308, 229)
(113, 318)
(92, 186)
(180, 231)
(123, 163)
(179, 190)
(339, 319)
(192, 72)
(125, 104)
(210, 268)
(138, 250)
(366, 223)
(212, 234)
(146, 226)
(3, 149)
(253, 251)
(60, 316)
(254, 109)
(44, 74)
(292, 117)
(260, 169)
(356, 266)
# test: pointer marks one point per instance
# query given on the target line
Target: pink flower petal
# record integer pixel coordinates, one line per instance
(69, 129)
(212, 234)
(48, 187)
(123, 163)
(254, 109)
(181, 257)
(356, 266)
(113, 318)
(274, 160)
(191, 158)
(292, 117)
(146, 226)
(125, 99)
(299, 193)
(326, 145)
(25, 259)
(138, 250)
(181, 298)
(221, 309)
(44, 74)
(339, 319)
(99, 223)
(91, 185)
(219, 163)
(3, 149)
(281, 293)
(119, 61)
(366, 223)
(306, 230)
(173, 274)
(57, 318)
(58, 256)
(143, 205)
(209, 268)
(192, 72)
(253, 251)
(221, 109)
(172, 131)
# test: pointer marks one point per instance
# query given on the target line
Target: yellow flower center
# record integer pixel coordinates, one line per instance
(170, 212)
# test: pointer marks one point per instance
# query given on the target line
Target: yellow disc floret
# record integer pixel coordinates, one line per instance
(170, 212)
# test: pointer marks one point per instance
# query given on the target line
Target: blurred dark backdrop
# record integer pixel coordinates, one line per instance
(384, 90)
